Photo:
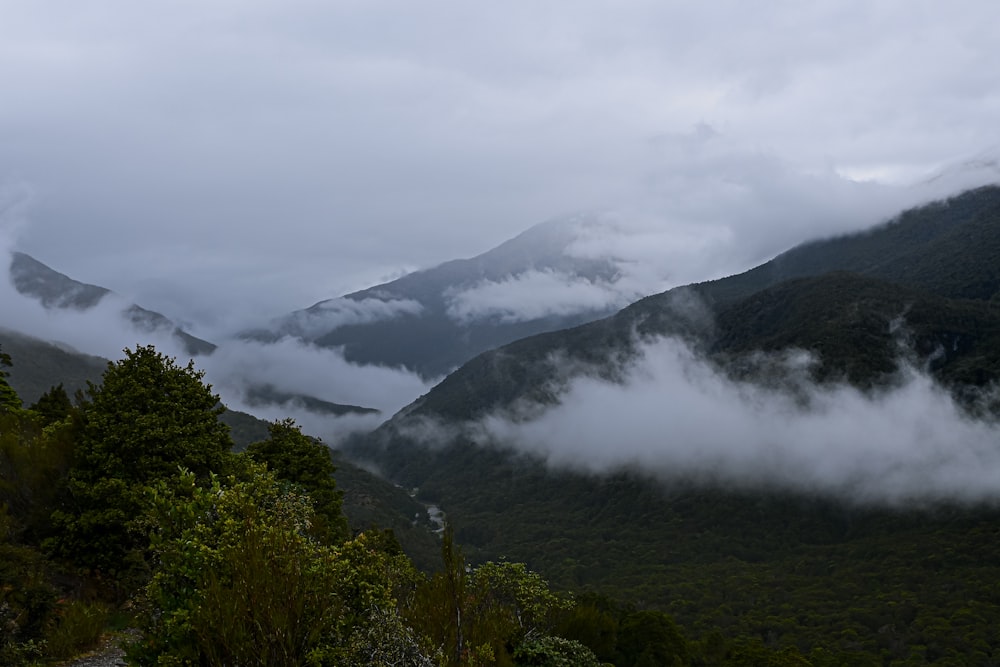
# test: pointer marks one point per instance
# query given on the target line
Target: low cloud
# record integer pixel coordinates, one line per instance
(328, 428)
(709, 206)
(328, 315)
(293, 366)
(539, 293)
(678, 417)
(104, 329)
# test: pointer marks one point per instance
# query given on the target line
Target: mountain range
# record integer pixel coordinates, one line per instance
(840, 330)
(55, 290)
(431, 321)
(936, 264)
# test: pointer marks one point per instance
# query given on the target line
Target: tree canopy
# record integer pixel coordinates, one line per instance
(305, 461)
(148, 417)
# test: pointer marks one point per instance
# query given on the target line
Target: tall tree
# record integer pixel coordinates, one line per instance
(297, 458)
(9, 400)
(54, 405)
(148, 418)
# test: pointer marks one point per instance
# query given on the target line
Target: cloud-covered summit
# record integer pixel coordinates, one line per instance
(545, 278)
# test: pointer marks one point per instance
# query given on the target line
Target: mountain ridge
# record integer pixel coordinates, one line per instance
(426, 335)
(55, 290)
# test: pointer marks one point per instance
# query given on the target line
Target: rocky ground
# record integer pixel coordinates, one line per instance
(110, 653)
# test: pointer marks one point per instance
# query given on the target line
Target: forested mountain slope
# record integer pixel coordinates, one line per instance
(863, 583)
(945, 250)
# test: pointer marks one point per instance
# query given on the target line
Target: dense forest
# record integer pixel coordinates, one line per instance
(127, 508)
(832, 577)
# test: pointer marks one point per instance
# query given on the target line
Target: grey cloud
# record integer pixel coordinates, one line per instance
(328, 315)
(536, 294)
(297, 367)
(198, 144)
(677, 417)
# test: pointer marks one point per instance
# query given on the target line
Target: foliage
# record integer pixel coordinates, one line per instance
(478, 616)
(241, 581)
(9, 400)
(148, 417)
(305, 461)
(78, 625)
(554, 652)
(649, 638)
(27, 599)
(53, 406)
(33, 464)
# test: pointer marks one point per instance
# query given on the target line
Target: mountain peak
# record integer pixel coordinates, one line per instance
(57, 291)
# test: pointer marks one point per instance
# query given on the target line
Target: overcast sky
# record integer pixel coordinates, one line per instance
(261, 155)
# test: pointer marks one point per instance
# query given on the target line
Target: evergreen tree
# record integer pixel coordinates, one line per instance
(54, 405)
(297, 458)
(148, 418)
(9, 400)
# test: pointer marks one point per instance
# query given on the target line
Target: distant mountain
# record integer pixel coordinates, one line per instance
(270, 395)
(55, 290)
(434, 320)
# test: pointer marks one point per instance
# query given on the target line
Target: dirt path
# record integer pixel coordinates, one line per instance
(110, 654)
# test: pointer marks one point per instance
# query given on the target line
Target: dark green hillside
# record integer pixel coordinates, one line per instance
(863, 586)
(41, 365)
(946, 249)
(859, 328)
(845, 584)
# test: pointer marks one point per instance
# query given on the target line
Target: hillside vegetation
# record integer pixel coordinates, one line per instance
(842, 582)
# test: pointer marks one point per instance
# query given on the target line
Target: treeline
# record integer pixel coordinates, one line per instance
(127, 508)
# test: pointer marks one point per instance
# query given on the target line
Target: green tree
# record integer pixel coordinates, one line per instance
(148, 417)
(305, 461)
(479, 616)
(593, 622)
(54, 405)
(9, 400)
(554, 652)
(241, 581)
(650, 639)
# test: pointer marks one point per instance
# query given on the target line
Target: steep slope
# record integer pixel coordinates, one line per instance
(55, 290)
(786, 565)
(432, 321)
(40, 365)
(947, 250)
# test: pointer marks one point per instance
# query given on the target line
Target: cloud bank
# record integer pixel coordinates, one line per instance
(536, 294)
(328, 315)
(293, 366)
(677, 417)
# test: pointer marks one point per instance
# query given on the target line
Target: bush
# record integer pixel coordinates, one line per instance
(240, 580)
(554, 652)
